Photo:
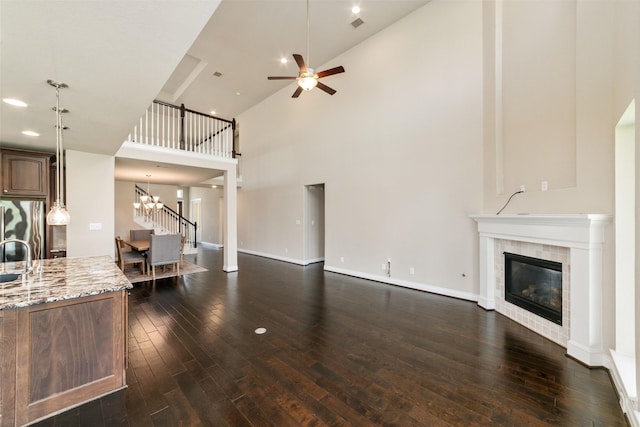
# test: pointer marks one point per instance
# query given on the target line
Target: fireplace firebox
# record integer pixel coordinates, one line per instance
(535, 285)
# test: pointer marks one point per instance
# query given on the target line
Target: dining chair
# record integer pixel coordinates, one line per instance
(164, 249)
(129, 257)
(140, 234)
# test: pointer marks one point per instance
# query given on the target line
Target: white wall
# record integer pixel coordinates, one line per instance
(90, 200)
(398, 148)
(550, 108)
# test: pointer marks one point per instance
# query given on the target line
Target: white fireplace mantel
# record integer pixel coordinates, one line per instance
(584, 235)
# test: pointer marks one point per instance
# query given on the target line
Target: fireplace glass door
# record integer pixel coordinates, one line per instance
(535, 285)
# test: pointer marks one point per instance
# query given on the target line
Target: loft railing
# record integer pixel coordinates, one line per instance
(169, 126)
(167, 220)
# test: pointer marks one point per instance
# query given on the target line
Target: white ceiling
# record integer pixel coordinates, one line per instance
(119, 55)
(164, 173)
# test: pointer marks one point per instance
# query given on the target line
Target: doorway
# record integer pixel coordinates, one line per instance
(314, 224)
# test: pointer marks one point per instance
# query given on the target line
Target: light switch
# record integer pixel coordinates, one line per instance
(93, 226)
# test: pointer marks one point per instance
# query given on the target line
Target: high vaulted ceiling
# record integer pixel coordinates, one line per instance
(119, 55)
(245, 40)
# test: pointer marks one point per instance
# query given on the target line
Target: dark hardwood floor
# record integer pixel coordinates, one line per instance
(338, 351)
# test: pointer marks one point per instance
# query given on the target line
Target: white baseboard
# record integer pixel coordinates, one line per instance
(211, 245)
(623, 373)
(376, 278)
(281, 258)
(405, 283)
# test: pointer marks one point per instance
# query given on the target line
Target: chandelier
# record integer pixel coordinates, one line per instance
(58, 215)
(148, 202)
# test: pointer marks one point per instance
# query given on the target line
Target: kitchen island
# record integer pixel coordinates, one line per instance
(63, 336)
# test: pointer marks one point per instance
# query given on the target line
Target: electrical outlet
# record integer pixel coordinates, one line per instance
(412, 271)
(341, 259)
(384, 266)
(522, 187)
(544, 185)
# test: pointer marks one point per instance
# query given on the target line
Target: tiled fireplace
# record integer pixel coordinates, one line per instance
(553, 331)
(575, 241)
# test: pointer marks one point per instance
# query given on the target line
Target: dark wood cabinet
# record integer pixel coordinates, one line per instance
(61, 354)
(25, 174)
(30, 175)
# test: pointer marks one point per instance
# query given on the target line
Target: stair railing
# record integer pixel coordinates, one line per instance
(167, 220)
(169, 126)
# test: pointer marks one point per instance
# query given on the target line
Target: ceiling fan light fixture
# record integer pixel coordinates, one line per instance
(308, 80)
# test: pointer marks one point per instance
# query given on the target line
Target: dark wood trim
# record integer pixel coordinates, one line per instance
(8, 337)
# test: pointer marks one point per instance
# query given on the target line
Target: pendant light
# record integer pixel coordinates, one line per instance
(148, 202)
(58, 215)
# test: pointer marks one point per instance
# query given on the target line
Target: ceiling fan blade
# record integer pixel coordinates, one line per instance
(331, 71)
(326, 88)
(297, 92)
(281, 78)
(300, 62)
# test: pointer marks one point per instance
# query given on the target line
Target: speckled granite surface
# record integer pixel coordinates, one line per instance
(61, 279)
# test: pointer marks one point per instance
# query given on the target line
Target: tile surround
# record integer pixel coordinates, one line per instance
(556, 333)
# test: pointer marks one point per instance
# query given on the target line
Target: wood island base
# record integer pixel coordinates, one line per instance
(58, 355)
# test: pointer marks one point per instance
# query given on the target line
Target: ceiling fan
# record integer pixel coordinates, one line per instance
(308, 78)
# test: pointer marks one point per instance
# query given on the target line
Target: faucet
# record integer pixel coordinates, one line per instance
(28, 267)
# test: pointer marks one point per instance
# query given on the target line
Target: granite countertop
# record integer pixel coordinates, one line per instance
(61, 279)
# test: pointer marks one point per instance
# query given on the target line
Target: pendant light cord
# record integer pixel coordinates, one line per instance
(61, 180)
(58, 133)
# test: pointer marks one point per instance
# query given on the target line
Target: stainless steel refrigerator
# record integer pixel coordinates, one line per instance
(24, 220)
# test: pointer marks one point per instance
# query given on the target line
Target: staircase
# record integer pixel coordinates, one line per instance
(165, 221)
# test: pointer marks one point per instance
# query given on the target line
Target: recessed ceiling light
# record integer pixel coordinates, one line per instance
(30, 133)
(355, 9)
(283, 60)
(213, 112)
(14, 102)
(238, 93)
(214, 186)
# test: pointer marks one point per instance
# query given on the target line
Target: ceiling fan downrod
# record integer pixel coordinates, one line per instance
(308, 26)
(307, 78)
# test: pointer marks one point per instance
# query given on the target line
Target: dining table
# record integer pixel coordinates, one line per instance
(137, 245)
